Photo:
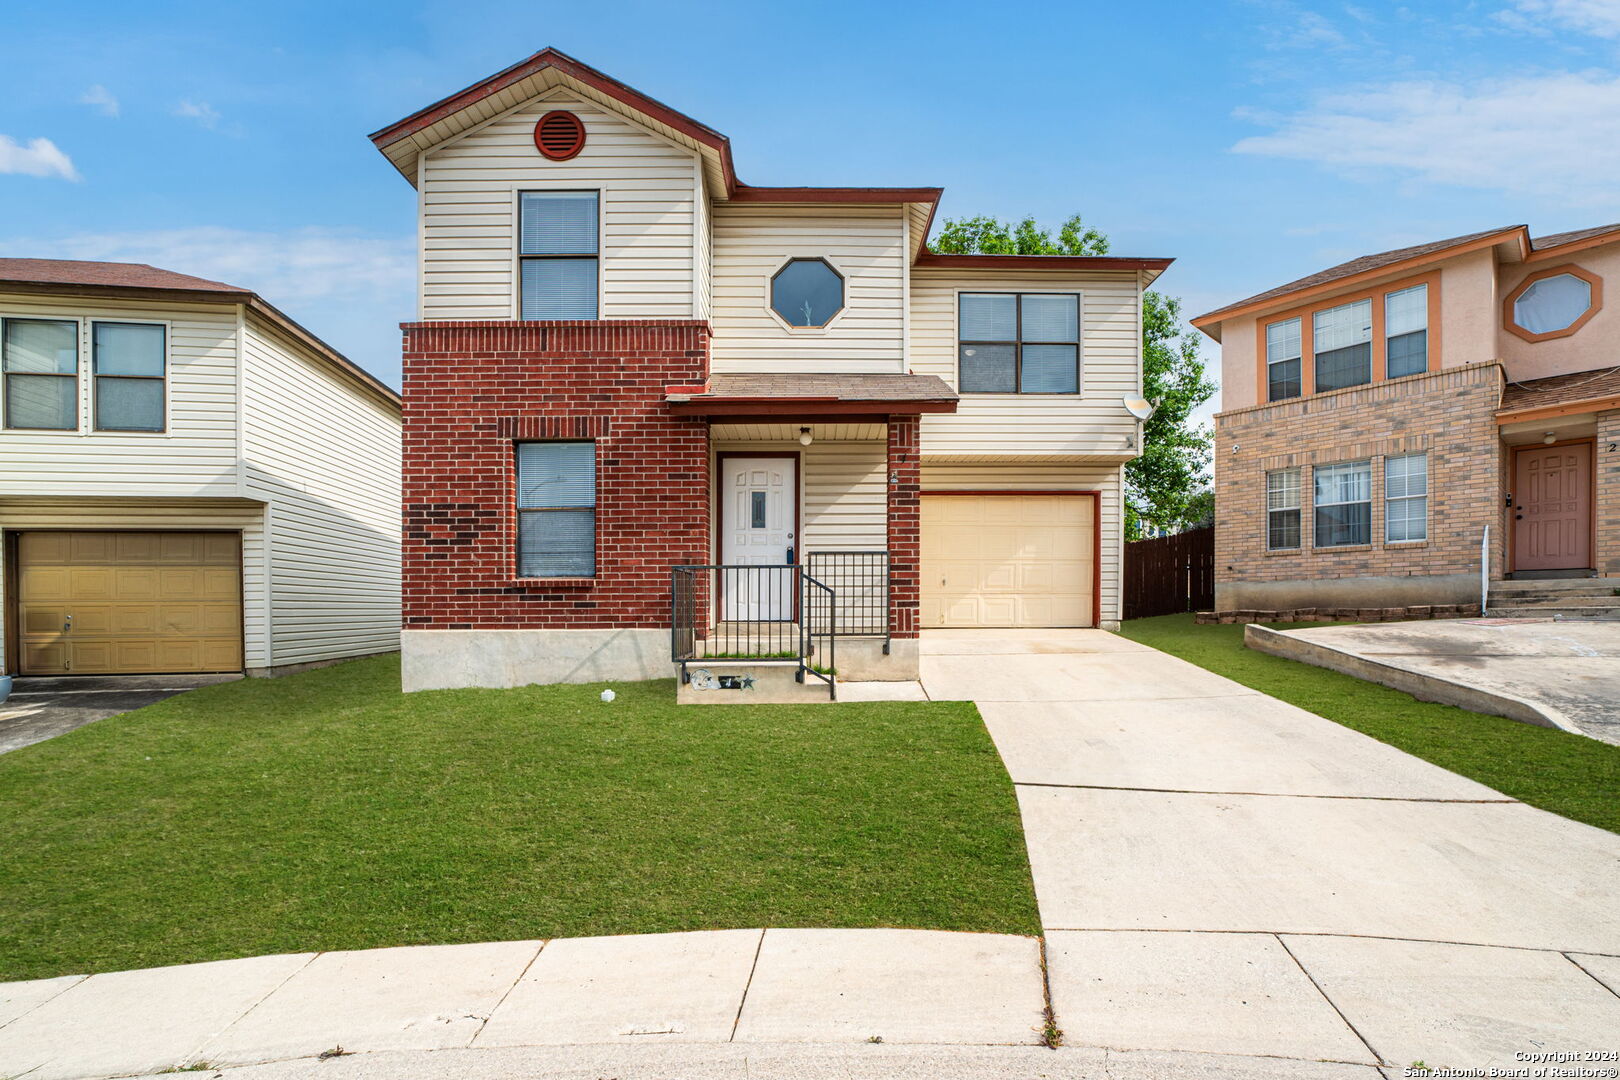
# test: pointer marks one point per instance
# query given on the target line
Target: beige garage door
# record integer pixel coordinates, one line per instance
(126, 603)
(1008, 560)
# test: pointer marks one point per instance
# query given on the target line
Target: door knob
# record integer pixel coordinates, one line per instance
(67, 624)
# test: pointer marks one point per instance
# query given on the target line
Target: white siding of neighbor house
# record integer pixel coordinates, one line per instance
(162, 515)
(196, 456)
(649, 211)
(1108, 480)
(324, 453)
(867, 244)
(1092, 423)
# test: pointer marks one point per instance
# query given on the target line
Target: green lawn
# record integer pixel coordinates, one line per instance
(1567, 774)
(327, 811)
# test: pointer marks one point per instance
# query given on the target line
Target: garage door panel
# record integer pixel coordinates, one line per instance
(139, 602)
(1008, 560)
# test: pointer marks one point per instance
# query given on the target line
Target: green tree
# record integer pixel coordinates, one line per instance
(1168, 485)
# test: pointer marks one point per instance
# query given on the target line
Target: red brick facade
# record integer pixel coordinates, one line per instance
(474, 389)
(905, 525)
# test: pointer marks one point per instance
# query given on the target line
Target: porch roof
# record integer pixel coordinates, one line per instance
(1560, 395)
(818, 394)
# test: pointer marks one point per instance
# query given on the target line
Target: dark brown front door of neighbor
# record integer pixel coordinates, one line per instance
(1552, 508)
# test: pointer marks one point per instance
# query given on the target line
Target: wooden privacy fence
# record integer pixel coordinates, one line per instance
(1170, 574)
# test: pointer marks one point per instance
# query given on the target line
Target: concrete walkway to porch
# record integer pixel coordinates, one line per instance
(1221, 872)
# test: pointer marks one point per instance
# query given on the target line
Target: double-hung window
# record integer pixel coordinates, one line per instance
(39, 362)
(1282, 360)
(1343, 504)
(1282, 509)
(1406, 498)
(558, 253)
(1406, 332)
(556, 505)
(1019, 343)
(1341, 344)
(128, 361)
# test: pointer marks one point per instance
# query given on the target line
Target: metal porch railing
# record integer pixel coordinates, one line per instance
(778, 613)
(860, 579)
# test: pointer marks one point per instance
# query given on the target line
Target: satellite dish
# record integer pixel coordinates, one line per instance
(1141, 408)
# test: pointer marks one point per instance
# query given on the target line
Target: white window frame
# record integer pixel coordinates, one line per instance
(1275, 507)
(1422, 287)
(88, 363)
(1317, 351)
(85, 375)
(1298, 357)
(595, 508)
(78, 378)
(1317, 504)
(603, 189)
(1423, 497)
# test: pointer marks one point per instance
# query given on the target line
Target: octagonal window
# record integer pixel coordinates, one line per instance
(1552, 304)
(807, 292)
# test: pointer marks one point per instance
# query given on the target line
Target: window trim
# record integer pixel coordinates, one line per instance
(601, 189)
(1380, 343)
(1297, 508)
(596, 517)
(1372, 498)
(1265, 350)
(834, 265)
(1424, 454)
(1018, 344)
(79, 348)
(1511, 325)
(94, 380)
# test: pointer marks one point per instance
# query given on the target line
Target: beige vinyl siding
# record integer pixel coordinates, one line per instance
(1050, 476)
(843, 494)
(1092, 423)
(865, 243)
(325, 455)
(196, 456)
(649, 202)
(21, 514)
(702, 254)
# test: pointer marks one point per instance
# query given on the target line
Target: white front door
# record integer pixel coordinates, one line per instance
(757, 518)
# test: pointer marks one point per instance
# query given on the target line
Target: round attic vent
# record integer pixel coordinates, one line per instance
(559, 135)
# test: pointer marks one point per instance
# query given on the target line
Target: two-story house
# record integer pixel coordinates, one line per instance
(189, 480)
(1394, 424)
(628, 361)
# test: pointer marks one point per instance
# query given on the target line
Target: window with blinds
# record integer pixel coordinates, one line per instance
(1018, 343)
(1406, 498)
(1343, 504)
(1282, 509)
(1283, 360)
(128, 361)
(1341, 338)
(1406, 332)
(558, 253)
(556, 505)
(39, 362)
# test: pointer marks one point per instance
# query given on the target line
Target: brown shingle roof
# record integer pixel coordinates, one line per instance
(1557, 239)
(1556, 390)
(770, 392)
(1359, 265)
(110, 274)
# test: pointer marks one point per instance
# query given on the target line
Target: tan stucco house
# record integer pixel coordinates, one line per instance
(1395, 424)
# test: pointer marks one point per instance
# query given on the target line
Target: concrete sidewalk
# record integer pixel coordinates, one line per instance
(43, 707)
(1220, 872)
(852, 987)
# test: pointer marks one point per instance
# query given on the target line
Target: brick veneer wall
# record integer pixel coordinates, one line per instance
(1607, 553)
(905, 526)
(1447, 414)
(473, 389)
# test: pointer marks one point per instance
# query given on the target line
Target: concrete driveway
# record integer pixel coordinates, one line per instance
(1219, 871)
(42, 707)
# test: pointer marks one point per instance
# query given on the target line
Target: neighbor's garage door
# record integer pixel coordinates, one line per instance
(104, 603)
(1008, 560)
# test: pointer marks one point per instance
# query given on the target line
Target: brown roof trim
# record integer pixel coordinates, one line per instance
(934, 260)
(1317, 284)
(1551, 412)
(749, 193)
(1562, 245)
(227, 295)
(606, 84)
(806, 406)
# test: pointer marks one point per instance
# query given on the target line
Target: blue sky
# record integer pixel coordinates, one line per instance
(1255, 141)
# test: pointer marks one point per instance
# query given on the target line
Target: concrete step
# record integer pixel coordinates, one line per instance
(1556, 585)
(1547, 611)
(1610, 601)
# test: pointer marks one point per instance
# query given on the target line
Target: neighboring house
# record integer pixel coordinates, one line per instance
(627, 361)
(1380, 416)
(189, 480)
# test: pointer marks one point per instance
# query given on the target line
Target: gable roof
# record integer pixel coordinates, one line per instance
(75, 277)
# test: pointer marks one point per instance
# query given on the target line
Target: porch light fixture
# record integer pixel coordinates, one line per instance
(805, 437)
(1550, 438)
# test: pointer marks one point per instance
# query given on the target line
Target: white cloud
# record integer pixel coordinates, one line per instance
(200, 111)
(1552, 135)
(40, 157)
(1600, 18)
(101, 98)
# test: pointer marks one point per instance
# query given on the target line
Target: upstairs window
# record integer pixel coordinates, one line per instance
(1341, 340)
(128, 361)
(1406, 332)
(807, 292)
(1282, 509)
(1283, 360)
(1019, 343)
(39, 361)
(558, 253)
(1552, 304)
(556, 505)
(1343, 504)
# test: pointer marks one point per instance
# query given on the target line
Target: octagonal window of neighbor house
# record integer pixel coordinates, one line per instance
(1552, 304)
(807, 292)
